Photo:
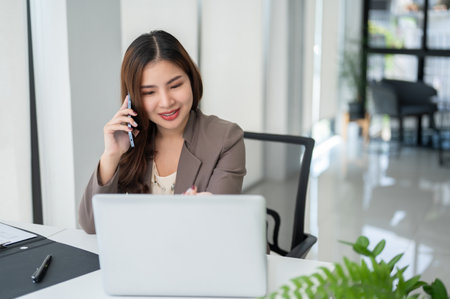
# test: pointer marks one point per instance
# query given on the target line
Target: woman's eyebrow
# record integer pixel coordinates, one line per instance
(168, 82)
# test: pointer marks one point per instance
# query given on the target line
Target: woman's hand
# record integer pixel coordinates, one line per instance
(116, 140)
(193, 191)
(116, 131)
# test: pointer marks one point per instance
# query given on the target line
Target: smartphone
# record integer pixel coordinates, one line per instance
(130, 134)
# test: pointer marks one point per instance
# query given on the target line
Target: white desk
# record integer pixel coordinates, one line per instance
(280, 269)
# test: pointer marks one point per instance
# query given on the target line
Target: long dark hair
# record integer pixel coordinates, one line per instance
(147, 48)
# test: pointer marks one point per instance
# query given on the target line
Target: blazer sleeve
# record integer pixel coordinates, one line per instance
(229, 172)
(85, 211)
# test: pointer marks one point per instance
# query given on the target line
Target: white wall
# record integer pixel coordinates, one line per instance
(321, 60)
(296, 78)
(233, 69)
(308, 71)
(77, 63)
(330, 59)
(178, 17)
(232, 61)
(277, 71)
(53, 105)
(15, 154)
(94, 42)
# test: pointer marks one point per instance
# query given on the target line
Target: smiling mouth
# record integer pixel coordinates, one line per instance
(170, 115)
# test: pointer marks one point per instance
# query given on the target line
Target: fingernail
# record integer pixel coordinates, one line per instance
(189, 190)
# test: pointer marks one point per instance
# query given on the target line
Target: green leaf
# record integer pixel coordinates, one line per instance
(329, 276)
(340, 272)
(297, 294)
(362, 249)
(362, 241)
(412, 284)
(319, 278)
(346, 242)
(285, 289)
(309, 293)
(379, 247)
(438, 290)
(299, 281)
(350, 269)
(400, 271)
(428, 289)
(365, 272)
(321, 292)
(394, 261)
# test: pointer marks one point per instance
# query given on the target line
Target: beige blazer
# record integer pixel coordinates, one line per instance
(212, 158)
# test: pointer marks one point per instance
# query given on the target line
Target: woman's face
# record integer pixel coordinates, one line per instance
(167, 96)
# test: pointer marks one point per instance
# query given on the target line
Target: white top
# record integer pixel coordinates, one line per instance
(162, 184)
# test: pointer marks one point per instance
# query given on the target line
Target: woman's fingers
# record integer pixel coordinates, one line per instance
(123, 120)
(125, 103)
(191, 191)
(204, 193)
(125, 112)
(111, 128)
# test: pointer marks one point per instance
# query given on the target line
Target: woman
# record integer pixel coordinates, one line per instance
(177, 149)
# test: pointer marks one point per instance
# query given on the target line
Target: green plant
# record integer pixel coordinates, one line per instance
(377, 279)
(351, 71)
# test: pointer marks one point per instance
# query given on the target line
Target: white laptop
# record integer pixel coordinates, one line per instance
(178, 245)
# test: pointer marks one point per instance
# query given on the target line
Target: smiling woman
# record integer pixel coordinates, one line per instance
(177, 147)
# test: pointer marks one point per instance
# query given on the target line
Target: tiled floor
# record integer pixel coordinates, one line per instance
(358, 189)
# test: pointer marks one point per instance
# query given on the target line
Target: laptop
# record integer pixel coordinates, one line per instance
(179, 245)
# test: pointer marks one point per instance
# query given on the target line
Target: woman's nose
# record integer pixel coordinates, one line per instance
(165, 100)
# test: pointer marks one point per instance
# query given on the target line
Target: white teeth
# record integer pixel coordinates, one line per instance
(169, 114)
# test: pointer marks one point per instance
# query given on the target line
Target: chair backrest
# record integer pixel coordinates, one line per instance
(411, 93)
(278, 168)
(384, 98)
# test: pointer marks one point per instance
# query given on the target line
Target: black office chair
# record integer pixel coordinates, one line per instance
(401, 99)
(283, 164)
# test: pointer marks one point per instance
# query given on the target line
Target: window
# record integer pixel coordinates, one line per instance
(409, 40)
(395, 25)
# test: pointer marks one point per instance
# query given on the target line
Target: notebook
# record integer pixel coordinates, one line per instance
(178, 245)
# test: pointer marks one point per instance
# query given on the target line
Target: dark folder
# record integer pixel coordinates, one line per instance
(18, 262)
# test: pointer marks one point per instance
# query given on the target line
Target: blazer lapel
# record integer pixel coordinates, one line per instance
(188, 167)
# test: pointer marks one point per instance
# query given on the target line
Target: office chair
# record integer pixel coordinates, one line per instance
(401, 99)
(282, 165)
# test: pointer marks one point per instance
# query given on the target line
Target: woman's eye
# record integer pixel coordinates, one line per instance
(176, 85)
(148, 93)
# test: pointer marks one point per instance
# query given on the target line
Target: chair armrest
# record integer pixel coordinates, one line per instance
(302, 249)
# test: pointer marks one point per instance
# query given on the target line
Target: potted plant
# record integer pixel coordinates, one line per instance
(373, 279)
(351, 73)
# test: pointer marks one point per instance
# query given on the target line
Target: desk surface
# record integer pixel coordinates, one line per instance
(280, 269)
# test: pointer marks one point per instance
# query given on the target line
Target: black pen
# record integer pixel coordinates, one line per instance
(40, 272)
